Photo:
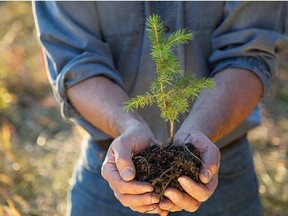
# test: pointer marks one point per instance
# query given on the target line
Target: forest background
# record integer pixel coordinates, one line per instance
(38, 149)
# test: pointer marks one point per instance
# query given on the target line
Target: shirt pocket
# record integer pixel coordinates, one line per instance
(121, 19)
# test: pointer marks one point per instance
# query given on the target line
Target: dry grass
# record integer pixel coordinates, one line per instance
(37, 148)
(269, 142)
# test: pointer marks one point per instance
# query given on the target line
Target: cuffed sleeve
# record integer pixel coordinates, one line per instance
(73, 47)
(246, 39)
(249, 63)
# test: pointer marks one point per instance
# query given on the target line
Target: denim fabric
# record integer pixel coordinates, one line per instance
(90, 194)
(86, 39)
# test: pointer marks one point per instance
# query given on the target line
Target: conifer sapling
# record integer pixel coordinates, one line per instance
(172, 89)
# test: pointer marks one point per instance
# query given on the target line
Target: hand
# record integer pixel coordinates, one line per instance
(195, 192)
(119, 170)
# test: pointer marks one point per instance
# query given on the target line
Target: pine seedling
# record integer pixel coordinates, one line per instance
(172, 88)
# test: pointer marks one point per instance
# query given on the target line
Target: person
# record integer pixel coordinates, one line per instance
(98, 56)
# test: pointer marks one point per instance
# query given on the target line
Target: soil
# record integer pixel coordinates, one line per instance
(162, 166)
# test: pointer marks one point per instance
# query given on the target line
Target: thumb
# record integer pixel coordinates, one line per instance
(205, 175)
(125, 165)
(211, 162)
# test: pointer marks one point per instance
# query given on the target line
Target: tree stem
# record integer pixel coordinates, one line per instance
(171, 132)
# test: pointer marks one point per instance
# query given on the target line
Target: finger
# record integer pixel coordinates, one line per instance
(111, 175)
(211, 162)
(168, 205)
(125, 167)
(122, 157)
(210, 154)
(181, 201)
(147, 209)
(129, 200)
(163, 212)
(200, 192)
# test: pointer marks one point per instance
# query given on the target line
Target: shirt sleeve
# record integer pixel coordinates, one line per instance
(250, 37)
(71, 37)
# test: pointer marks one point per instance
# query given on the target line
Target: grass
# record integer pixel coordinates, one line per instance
(38, 148)
(269, 142)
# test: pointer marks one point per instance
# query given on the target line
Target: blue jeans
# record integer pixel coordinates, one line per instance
(236, 194)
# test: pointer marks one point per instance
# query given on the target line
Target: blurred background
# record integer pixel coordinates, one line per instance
(38, 148)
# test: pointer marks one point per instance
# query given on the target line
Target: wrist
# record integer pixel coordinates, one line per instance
(131, 122)
(136, 134)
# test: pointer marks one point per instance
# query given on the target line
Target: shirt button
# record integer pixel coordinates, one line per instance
(166, 29)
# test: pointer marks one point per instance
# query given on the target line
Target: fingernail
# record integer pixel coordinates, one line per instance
(207, 175)
(155, 199)
(127, 174)
(182, 181)
(168, 193)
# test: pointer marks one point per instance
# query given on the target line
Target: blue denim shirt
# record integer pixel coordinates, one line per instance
(85, 39)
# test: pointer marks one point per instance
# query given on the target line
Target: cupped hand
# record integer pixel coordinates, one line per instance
(195, 193)
(119, 170)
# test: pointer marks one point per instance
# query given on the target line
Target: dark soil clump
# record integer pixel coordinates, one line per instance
(162, 166)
